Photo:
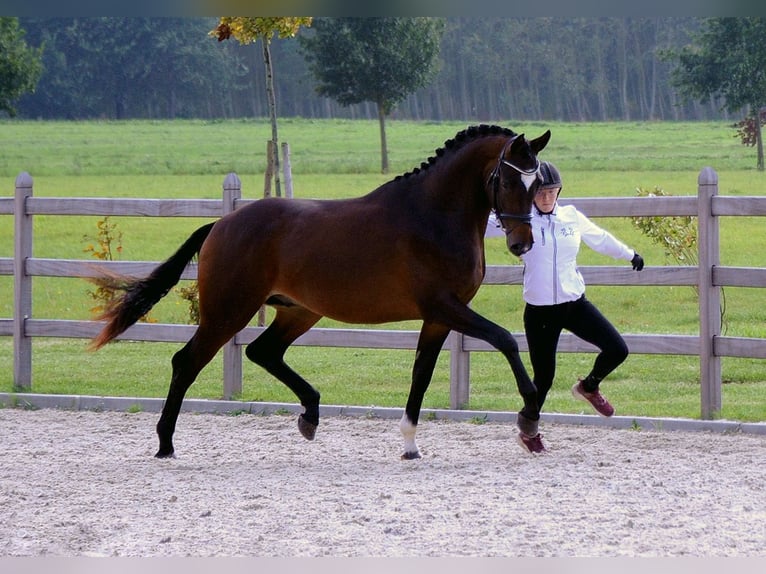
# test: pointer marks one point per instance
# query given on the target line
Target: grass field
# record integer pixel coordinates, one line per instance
(331, 159)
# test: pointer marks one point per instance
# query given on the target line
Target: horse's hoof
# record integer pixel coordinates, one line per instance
(161, 454)
(411, 455)
(308, 430)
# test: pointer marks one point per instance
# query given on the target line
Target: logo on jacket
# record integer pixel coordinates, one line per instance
(567, 231)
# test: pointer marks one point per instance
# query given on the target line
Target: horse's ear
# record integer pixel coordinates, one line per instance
(539, 144)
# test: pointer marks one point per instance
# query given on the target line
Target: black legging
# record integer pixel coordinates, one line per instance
(543, 325)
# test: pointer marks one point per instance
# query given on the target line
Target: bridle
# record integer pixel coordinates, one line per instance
(494, 180)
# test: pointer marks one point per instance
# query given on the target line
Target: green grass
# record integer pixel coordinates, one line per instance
(333, 159)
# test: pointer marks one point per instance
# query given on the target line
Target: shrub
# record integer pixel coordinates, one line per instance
(106, 246)
(676, 234)
(190, 294)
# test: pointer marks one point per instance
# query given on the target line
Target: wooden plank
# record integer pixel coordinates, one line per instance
(352, 338)
(604, 275)
(361, 338)
(125, 207)
(496, 274)
(6, 206)
(637, 343)
(87, 268)
(739, 347)
(663, 344)
(68, 329)
(355, 338)
(6, 327)
(625, 275)
(6, 266)
(634, 206)
(503, 275)
(748, 205)
(739, 276)
(651, 344)
(239, 203)
(173, 333)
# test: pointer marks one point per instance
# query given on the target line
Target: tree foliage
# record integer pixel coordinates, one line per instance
(129, 67)
(747, 129)
(20, 65)
(727, 60)
(490, 69)
(677, 235)
(379, 60)
(248, 29)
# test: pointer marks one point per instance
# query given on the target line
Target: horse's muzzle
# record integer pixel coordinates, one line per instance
(519, 249)
(518, 246)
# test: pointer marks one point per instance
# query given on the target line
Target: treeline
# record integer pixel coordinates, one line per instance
(565, 69)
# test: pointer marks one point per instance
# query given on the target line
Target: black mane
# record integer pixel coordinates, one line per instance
(461, 138)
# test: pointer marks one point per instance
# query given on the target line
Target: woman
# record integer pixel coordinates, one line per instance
(554, 293)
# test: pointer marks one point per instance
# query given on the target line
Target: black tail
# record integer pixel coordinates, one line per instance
(141, 295)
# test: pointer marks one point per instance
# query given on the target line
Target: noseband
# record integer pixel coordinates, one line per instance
(494, 180)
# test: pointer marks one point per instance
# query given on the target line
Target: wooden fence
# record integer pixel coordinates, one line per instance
(709, 276)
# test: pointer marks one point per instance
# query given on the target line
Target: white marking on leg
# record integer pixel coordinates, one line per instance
(408, 432)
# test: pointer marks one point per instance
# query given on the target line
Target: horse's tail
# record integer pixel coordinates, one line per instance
(141, 295)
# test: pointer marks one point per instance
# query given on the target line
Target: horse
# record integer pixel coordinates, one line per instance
(411, 249)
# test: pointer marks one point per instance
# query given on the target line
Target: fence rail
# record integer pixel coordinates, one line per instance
(708, 276)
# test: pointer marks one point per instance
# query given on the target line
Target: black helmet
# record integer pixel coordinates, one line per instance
(549, 175)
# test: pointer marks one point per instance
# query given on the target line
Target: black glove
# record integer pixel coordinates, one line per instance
(637, 262)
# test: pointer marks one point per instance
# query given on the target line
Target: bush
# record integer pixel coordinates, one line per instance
(676, 234)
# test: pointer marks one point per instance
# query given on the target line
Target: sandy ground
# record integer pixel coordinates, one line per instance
(79, 483)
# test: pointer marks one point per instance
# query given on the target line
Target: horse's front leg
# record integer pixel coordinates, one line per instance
(430, 343)
(463, 319)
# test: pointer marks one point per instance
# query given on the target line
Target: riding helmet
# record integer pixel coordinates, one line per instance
(549, 175)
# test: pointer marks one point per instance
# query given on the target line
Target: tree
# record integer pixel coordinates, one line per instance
(248, 29)
(727, 60)
(491, 69)
(130, 67)
(20, 65)
(380, 60)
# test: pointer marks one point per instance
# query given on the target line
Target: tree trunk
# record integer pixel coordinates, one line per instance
(383, 146)
(759, 137)
(624, 70)
(272, 111)
(653, 81)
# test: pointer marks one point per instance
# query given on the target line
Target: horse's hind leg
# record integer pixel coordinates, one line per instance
(432, 337)
(268, 351)
(187, 363)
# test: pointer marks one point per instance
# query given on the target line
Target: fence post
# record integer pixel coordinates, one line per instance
(22, 285)
(269, 173)
(459, 372)
(288, 170)
(709, 294)
(232, 353)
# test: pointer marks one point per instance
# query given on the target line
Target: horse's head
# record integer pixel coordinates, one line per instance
(512, 185)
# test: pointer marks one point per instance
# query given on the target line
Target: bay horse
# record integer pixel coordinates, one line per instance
(411, 249)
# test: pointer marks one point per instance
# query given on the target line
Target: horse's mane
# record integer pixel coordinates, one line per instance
(463, 137)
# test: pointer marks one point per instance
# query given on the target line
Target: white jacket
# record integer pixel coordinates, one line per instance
(550, 267)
